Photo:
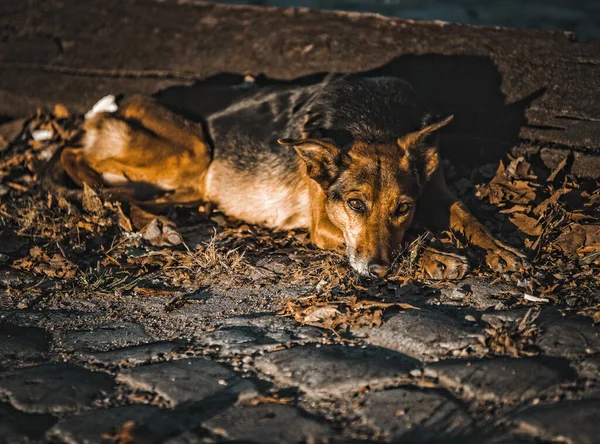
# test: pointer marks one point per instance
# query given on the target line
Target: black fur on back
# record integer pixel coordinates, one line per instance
(343, 109)
(373, 110)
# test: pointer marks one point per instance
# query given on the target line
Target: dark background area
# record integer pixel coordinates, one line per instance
(579, 16)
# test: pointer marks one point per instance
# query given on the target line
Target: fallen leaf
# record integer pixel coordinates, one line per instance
(557, 170)
(123, 220)
(579, 239)
(526, 224)
(60, 111)
(90, 201)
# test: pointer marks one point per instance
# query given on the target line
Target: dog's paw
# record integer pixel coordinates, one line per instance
(161, 234)
(441, 265)
(504, 258)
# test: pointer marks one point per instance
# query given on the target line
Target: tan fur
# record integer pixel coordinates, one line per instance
(147, 148)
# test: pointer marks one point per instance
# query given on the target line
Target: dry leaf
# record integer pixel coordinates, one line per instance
(91, 202)
(557, 170)
(322, 314)
(526, 224)
(60, 111)
(123, 220)
(579, 239)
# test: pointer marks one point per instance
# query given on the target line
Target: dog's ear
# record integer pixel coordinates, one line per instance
(421, 150)
(417, 138)
(323, 158)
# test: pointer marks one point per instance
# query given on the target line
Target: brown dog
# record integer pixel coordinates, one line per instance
(363, 167)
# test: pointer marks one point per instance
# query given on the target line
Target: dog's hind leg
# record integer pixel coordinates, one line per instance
(165, 123)
(146, 146)
(74, 164)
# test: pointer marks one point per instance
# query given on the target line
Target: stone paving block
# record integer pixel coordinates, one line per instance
(335, 369)
(54, 388)
(105, 337)
(152, 424)
(60, 319)
(134, 355)
(240, 340)
(475, 292)
(268, 423)
(187, 380)
(22, 343)
(590, 367)
(418, 333)
(569, 336)
(409, 414)
(278, 328)
(16, 426)
(503, 317)
(569, 421)
(503, 379)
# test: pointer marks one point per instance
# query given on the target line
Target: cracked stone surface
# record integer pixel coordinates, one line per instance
(22, 344)
(572, 337)
(238, 335)
(419, 333)
(413, 415)
(137, 354)
(503, 379)
(334, 369)
(104, 337)
(90, 427)
(16, 426)
(54, 388)
(187, 380)
(573, 421)
(268, 423)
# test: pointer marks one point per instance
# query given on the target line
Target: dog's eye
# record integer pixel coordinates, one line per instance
(356, 205)
(402, 209)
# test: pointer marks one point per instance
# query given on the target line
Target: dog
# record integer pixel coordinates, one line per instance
(354, 160)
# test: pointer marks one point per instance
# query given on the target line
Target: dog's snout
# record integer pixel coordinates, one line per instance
(377, 270)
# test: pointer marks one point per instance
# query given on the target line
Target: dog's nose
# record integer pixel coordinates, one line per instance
(377, 270)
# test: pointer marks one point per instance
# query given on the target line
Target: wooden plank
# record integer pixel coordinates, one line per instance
(504, 86)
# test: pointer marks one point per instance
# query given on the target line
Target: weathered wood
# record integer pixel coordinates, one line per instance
(506, 87)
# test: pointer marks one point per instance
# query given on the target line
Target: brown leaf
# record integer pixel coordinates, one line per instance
(526, 224)
(130, 433)
(543, 207)
(90, 201)
(322, 314)
(519, 168)
(123, 220)
(515, 209)
(61, 111)
(579, 239)
(557, 170)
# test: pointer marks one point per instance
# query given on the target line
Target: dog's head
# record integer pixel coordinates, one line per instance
(371, 190)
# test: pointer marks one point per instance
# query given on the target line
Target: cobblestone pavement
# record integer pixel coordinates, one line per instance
(225, 367)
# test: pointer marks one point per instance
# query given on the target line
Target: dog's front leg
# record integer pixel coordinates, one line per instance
(438, 207)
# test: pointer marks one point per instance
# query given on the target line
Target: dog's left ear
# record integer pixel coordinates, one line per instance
(421, 151)
(323, 158)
